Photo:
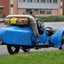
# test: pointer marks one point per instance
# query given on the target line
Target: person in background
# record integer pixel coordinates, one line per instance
(31, 13)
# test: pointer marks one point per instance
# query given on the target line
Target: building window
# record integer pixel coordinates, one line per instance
(28, 11)
(29, 0)
(49, 1)
(1, 9)
(36, 1)
(11, 5)
(43, 1)
(61, 7)
(42, 11)
(55, 1)
(61, 0)
(48, 11)
(21, 0)
(36, 11)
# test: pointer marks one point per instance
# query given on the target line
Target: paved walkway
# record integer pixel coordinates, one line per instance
(3, 50)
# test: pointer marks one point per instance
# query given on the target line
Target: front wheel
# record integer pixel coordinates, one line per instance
(13, 49)
(62, 47)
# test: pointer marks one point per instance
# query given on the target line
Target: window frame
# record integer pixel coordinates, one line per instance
(36, 11)
(21, 0)
(42, 11)
(43, 1)
(55, 1)
(36, 1)
(49, 1)
(49, 11)
(29, 0)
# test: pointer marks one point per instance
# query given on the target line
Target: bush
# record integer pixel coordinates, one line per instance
(52, 18)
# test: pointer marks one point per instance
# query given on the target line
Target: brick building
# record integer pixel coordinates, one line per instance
(4, 8)
(63, 7)
(39, 7)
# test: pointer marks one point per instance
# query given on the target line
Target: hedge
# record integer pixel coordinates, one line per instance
(52, 18)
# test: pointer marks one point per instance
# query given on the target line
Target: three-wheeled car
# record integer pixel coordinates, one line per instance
(26, 32)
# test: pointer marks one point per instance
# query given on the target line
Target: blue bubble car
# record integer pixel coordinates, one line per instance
(25, 32)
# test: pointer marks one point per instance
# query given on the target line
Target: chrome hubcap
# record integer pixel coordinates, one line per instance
(13, 48)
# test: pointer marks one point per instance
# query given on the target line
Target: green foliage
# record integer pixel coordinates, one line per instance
(45, 57)
(52, 18)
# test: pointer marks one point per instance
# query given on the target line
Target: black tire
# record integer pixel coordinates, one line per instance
(62, 47)
(10, 49)
(25, 49)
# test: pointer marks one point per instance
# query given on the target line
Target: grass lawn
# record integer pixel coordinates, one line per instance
(43, 57)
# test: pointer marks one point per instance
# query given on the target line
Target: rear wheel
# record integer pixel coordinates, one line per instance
(13, 49)
(62, 47)
(25, 49)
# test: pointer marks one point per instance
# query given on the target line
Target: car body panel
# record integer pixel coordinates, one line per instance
(16, 35)
(56, 38)
(22, 34)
